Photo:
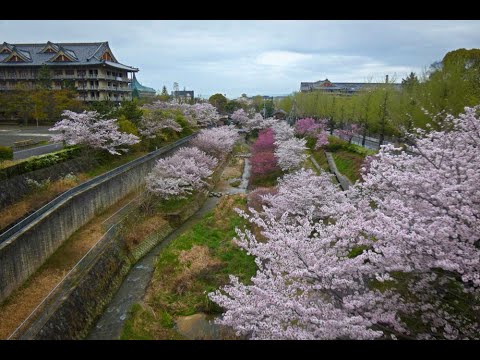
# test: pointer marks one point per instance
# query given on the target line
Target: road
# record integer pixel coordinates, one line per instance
(11, 134)
(370, 143)
(39, 150)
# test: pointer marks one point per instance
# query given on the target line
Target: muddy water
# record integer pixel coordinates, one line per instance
(134, 287)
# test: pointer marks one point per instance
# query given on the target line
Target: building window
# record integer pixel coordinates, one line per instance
(69, 72)
(57, 72)
(92, 94)
(81, 72)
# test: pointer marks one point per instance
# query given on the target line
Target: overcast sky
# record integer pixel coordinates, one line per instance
(259, 57)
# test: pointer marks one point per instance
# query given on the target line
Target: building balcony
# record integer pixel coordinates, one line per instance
(17, 76)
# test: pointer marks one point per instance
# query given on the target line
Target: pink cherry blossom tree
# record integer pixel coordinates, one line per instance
(282, 130)
(240, 117)
(217, 141)
(322, 139)
(349, 132)
(180, 174)
(290, 153)
(402, 245)
(204, 114)
(89, 129)
(307, 126)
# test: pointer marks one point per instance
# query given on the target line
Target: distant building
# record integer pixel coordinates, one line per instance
(183, 94)
(280, 114)
(90, 67)
(143, 91)
(339, 87)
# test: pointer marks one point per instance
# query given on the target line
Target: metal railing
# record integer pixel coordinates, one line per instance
(17, 228)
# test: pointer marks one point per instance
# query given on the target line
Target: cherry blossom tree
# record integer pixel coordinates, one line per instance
(89, 129)
(322, 139)
(263, 163)
(198, 155)
(205, 113)
(217, 141)
(240, 116)
(282, 130)
(155, 120)
(290, 153)
(180, 174)
(265, 142)
(402, 245)
(307, 126)
(349, 132)
(254, 123)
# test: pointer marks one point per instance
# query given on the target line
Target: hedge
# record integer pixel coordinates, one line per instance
(39, 162)
(6, 153)
(336, 144)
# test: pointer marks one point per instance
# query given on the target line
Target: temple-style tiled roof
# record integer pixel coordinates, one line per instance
(45, 53)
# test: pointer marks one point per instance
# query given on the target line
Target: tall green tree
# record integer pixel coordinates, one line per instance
(219, 101)
(45, 77)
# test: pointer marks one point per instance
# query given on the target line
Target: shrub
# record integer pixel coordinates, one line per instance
(126, 126)
(6, 153)
(39, 162)
(335, 144)
(311, 142)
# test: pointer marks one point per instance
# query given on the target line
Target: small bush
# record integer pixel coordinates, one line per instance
(38, 185)
(6, 153)
(311, 142)
(335, 144)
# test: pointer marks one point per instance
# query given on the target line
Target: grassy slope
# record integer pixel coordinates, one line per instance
(191, 266)
(349, 164)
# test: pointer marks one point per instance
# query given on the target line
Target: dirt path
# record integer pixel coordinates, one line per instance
(24, 300)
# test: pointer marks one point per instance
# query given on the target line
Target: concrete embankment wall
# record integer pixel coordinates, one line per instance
(16, 187)
(33, 240)
(86, 292)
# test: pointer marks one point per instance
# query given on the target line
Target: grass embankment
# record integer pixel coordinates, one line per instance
(22, 301)
(43, 194)
(194, 264)
(349, 158)
(349, 164)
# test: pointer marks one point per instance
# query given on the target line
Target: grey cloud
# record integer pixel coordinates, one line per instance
(259, 57)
